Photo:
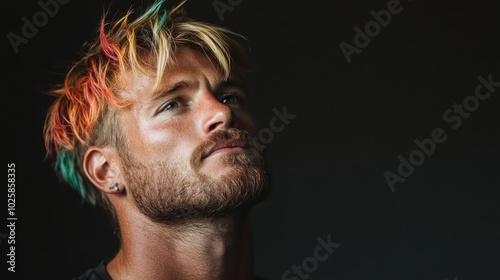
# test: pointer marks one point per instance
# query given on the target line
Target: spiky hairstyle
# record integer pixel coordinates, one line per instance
(82, 113)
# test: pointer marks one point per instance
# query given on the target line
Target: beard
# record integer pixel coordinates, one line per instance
(166, 194)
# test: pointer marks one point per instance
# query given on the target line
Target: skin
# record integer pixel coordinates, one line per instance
(157, 130)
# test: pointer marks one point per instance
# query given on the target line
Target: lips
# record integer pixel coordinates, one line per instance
(227, 144)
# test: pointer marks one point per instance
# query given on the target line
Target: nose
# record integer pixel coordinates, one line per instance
(215, 114)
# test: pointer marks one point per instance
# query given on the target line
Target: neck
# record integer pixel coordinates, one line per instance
(216, 249)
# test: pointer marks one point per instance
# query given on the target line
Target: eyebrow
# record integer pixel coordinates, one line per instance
(162, 92)
(232, 83)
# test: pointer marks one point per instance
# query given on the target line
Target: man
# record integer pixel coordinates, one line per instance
(152, 125)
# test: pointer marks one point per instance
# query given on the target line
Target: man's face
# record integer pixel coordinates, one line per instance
(190, 147)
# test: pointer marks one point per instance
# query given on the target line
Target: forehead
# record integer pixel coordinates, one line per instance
(186, 64)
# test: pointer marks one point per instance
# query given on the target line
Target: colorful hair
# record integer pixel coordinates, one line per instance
(83, 112)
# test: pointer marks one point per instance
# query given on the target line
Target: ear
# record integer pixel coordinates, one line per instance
(102, 167)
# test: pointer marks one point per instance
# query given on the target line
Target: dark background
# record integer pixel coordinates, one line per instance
(352, 122)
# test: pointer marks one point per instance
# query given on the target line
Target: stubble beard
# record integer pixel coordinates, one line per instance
(166, 194)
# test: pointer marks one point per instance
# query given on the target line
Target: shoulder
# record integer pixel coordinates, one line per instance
(96, 273)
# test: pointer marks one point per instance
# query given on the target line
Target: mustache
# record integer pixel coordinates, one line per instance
(223, 135)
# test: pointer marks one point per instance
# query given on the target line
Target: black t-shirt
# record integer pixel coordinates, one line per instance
(100, 273)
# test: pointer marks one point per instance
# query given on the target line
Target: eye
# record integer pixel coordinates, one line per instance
(170, 105)
(232, 98)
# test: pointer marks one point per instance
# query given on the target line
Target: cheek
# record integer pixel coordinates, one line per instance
(172, 142)
(162, 139)
(247, 122)
(147, 141)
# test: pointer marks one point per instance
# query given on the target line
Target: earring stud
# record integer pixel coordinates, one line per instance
(114, 187)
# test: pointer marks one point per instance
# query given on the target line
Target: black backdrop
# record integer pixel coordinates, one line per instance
(352, 123)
